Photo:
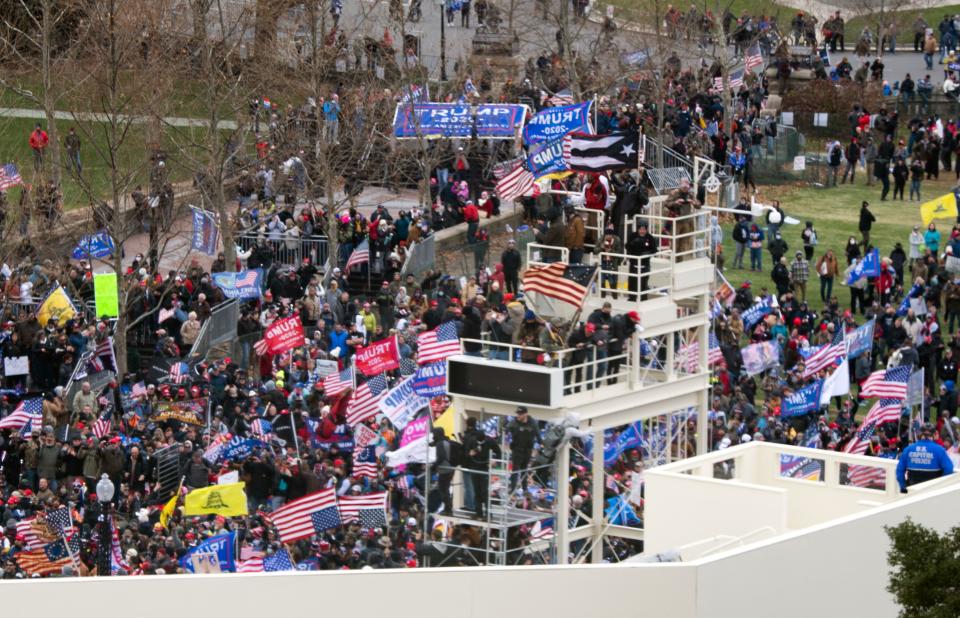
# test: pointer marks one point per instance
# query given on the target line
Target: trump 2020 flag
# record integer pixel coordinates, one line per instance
(245, 284)
(807, 399)
(99, 245)
(868, 267)
(206, 234)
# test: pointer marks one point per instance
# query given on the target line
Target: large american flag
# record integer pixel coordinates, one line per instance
(28, 529)
(567, 283)
(27, 415)
(365, 462)
(9, 176)
(542, 530)
(861, 440)
(51, 559)
(369, 509)
(336, 383)
(438, 344)
(306, 516)
(279, 561)
(736, 79)
(753, 57)
(884, 411)
(688, 357)
(261, 428)
(866, 476)
(365, 401)
(889, 383)
(826, 356)
(360, 255)
(518, 182)
(253, 563)
(138, 390)
(103, 425)
(564, 97)
(59, 520)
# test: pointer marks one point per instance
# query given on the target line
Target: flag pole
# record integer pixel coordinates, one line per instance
(293, 420)
(66, 544)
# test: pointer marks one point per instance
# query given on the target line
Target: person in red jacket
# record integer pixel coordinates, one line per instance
(38, 143)
(471, 215)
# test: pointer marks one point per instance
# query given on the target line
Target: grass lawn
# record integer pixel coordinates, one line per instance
(14, 148)
(737, 7)
(835, 214)
(904, 21)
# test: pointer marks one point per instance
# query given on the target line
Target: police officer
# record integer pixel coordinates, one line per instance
(923, 460)
(523, 433)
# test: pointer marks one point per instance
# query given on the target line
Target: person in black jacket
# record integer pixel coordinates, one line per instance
(523, 434)
(781, 276)
(478, 447)
(511, 266)
(867, 218)
(881, 165)
(448, 456)
(642, 245)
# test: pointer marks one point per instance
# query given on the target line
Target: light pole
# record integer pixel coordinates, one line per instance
(105, 491)
(443, 40)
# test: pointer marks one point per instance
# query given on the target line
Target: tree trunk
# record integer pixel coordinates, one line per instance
(49, 100)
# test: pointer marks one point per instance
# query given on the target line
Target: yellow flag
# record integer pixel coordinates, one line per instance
(167, 511)
(445, 422)
(227, 500)
(944, 207)
(56, 306)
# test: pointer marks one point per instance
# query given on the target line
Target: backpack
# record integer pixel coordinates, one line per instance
(740, 233)
(835, 156)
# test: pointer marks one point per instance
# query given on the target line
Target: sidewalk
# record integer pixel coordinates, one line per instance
(174, 121)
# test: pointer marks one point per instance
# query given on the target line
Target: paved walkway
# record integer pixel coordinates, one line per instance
(35, 114)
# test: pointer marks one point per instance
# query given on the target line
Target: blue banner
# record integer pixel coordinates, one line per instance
(238, 447)
(244, 284)
(869, 266)
(915, 291)
(807, 399)
(547, 158)
(631, 437)
(860, 340)
(430, 380)
(492, 121)
(221, 545)
(206, 234)
(757, 312)
(98, 245)
(554, 122)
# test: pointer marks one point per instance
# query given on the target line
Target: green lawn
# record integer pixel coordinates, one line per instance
(14, 148)
(904, 21)
(633, 8)
(835, 215)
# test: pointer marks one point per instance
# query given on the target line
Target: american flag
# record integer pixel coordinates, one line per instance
(885, 411)
(861, 440)
(736, 79)
(563, 97)
(866, 476)
(687, 357)
(51, 559)
(365, 401)
(306, 516)
(179, 373)
(542, 530)
(365, 462)
(261, 428)
(718, 84)
(28, 529)
(505, 167)
(714, 353)
(826, 356)
(369, 509)
(251, 560)
(104, 353)
(567, 283)
(890, 383)
(517, 182)
(360, 255)
(25, 416)
(438, 344)
(103, 425)
(9, 176)
(260, 347)
(139, 390)
(336, 383)
(117, 561)
(59, 520)
(166, 314)
(753, 57)
(279, 561)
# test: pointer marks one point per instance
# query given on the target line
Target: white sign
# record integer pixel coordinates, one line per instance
(820, 119)
(16, 365)
(229, 478)
(799, 163)
(401, 404)
(325, 368)
(786, 118)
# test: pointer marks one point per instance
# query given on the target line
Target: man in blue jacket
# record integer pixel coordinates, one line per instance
(923, 460)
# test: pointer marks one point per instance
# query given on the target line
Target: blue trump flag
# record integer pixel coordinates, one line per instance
(430, 380)
(245, 284)
(99, 245)
(807, 399)
(757, 312)
(869, 266)
(620, 513)
(631, 437)
(554, 122)
(860, 340)
(206, 234)
(433, 120)
(221, 546)
(547, 158)
(238, 448)
(915, 291)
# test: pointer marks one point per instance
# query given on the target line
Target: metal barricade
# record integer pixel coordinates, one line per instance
(421, 257)
(539, 254)
(593, 224)
(289, 251)
(219, 328)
